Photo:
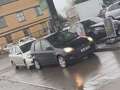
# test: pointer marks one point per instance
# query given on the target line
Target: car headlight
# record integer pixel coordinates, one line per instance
(29, 56)
(90, 39)
(68, 49)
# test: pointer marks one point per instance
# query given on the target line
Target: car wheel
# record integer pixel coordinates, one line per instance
(37, 65)
(13, 64)
(31, 67)
(17, 67)
(62, 62)
(91, 55)
(118, 32)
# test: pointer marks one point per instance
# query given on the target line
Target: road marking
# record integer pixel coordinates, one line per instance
(7, 69)
(43, 86)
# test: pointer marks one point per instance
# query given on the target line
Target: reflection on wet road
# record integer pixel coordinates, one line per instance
(89, 74)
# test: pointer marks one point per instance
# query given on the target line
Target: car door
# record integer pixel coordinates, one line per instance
(48, 54)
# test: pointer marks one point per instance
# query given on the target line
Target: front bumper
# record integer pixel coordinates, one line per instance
(77, 54)
(29, 62)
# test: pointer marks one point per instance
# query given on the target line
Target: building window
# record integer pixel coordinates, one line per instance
(20, 16)
(8, 38)
(2, 2)
(2, 22)
(45, 28)
(38, 11)
(26, 32)
(43, 4)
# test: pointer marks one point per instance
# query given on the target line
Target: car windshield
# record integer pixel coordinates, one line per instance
(26, 47)
(60, 39)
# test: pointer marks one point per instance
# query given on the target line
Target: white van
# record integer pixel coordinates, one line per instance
(20, 53)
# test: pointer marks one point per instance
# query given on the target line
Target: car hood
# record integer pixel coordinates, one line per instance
(78, 42)
(27, 54)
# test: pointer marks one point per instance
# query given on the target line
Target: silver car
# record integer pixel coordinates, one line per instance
(113, 10)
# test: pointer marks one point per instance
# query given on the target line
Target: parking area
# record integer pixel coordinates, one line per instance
(89, 74)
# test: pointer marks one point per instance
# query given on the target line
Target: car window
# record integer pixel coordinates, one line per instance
(26, 47)
(17, 50)
(61, 39)
(12, 51)
(114, 6)
(45, 45)
(38, 47)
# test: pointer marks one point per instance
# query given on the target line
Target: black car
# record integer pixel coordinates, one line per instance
(60, 48)
(97, 31)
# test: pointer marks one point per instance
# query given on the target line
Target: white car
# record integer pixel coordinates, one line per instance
(20, 53)
(113, 10)
(8, 46)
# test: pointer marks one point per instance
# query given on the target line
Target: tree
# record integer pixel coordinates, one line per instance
(62, 20)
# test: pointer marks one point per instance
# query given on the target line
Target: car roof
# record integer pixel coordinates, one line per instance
(95, 19)
(47, 36)
(51, 34)
(113, 4)
(24, 41)
(98, 24)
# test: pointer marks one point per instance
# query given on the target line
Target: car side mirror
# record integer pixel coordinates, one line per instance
(49, 48)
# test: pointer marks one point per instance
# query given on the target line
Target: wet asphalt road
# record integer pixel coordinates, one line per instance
(89, 74)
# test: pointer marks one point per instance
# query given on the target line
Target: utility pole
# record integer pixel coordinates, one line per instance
(54, 21)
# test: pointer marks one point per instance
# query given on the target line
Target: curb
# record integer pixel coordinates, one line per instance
(107, 49)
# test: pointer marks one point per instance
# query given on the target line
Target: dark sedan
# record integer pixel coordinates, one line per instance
(60, 48)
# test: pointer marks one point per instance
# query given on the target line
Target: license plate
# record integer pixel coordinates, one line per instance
(85, 49)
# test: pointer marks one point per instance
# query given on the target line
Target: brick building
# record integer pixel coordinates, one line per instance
(19, 18)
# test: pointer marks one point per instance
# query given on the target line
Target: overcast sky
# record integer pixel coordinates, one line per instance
(61, 5)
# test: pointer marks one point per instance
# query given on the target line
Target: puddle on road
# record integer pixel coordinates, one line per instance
(109, 71)
(96, 71)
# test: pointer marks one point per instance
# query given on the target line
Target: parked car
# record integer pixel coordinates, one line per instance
(113, 10)
(20, 54)
(61, 48)
(94, 27)
(8, 46)
(97, 31)
(91, 21)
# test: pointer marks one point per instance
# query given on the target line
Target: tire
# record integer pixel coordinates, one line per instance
(31, 68)
(17, 67)
(62, 62)
(91, 55)
(14, 65)
(37, 65)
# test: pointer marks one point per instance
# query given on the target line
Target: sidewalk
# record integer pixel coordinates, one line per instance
(115, 85)
(107, 47)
